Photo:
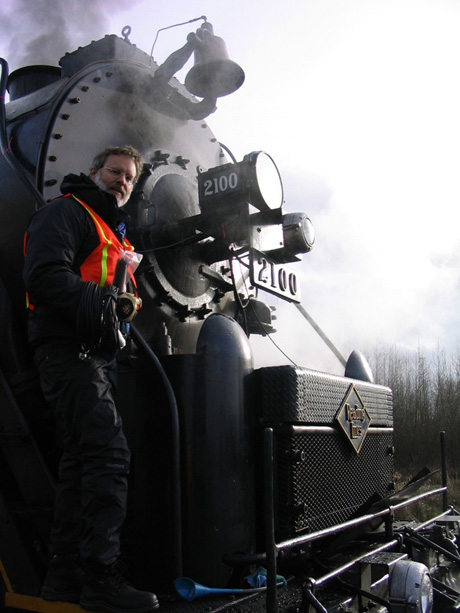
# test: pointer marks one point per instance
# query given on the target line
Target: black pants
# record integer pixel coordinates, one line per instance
(92, 488)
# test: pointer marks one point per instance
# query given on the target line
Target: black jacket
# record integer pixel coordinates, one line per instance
(61, 235)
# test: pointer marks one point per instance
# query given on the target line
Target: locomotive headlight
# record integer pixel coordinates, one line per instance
(411, 588)
(299, 234)
(263, 181)
(256, 181)
(298, 238)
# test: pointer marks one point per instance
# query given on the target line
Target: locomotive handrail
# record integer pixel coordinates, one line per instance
(274, 548)
(363, 519)
(352, 523)
(339, 570)
(311, 584)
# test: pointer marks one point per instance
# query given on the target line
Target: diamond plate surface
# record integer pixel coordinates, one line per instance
(288, 394)
(321, 481)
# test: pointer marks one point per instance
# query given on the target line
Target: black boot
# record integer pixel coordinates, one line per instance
(107, 590)
(64, 579)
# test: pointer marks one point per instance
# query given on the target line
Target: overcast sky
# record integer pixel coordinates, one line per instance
(358, 102)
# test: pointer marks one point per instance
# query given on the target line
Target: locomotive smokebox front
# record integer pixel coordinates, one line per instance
(110, 93)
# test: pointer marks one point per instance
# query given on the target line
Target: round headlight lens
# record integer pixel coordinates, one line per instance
(299, 234)
(308, 232)
(267, 187)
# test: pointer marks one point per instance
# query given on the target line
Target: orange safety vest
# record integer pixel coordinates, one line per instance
(100, 265)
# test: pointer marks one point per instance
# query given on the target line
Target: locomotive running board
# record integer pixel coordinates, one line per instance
(33, 603)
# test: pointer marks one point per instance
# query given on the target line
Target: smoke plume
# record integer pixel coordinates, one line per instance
(44, 30)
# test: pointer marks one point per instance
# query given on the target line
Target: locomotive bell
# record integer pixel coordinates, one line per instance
(214, 74)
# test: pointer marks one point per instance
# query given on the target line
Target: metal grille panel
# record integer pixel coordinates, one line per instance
(321, 481)
(293, 395)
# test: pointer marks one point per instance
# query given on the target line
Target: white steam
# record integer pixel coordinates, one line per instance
(42, 31)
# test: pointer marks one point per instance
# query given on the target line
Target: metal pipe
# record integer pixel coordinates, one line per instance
(444, 469)
(422, 539)
(270, 544)
(313, 536)
(322, 334)
(338, 571)
(439, 517)
(286, 545)
(307, 594)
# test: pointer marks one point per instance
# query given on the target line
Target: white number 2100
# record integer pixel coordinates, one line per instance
(219, 185)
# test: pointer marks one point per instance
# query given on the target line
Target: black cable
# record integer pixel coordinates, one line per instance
(176, 459)
(270, 338)
(188, 240)
(174, 25)
(88, 325)
(195, 238)
(97, 324)
(225, 148)
(240, 306)
(98, 327)
(254, 312)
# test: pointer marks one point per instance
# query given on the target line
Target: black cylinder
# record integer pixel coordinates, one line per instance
(218, 452)
(28, 79)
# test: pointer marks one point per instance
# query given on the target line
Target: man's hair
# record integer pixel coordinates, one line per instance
(100, 158)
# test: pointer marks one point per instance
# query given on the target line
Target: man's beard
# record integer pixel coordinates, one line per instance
(102, 185)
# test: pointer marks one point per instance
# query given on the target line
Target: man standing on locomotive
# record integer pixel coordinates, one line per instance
(73, 245)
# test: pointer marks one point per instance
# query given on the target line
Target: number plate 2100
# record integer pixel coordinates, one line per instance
(275, 278)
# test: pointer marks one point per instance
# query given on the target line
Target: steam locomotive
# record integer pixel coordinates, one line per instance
(251, 488)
